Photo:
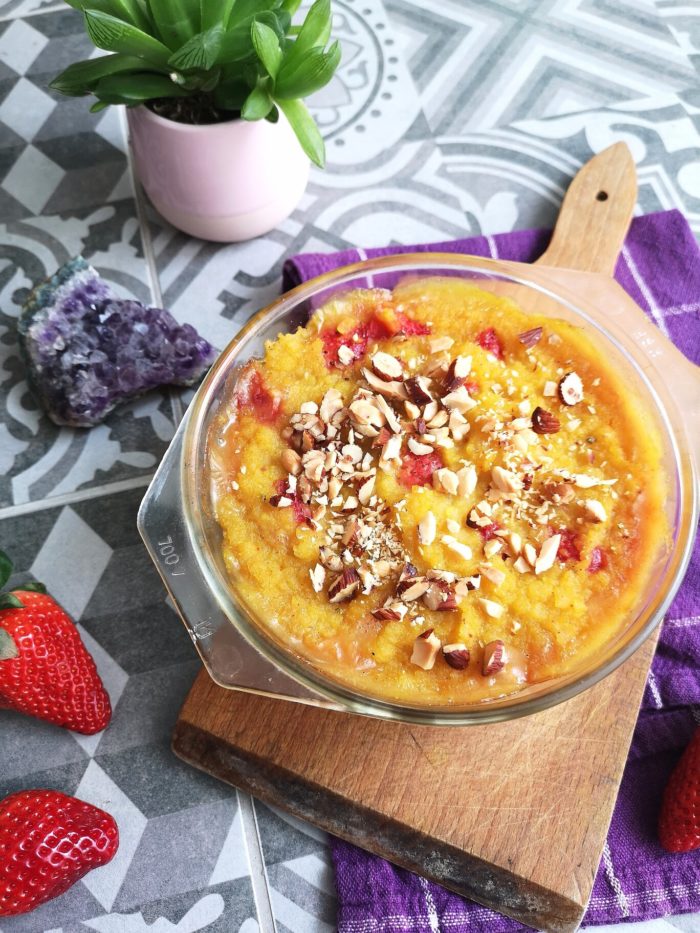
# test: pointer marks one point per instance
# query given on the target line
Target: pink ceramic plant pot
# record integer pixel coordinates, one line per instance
(220, 181)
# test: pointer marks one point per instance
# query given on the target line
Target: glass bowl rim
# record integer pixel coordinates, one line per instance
(510, 706)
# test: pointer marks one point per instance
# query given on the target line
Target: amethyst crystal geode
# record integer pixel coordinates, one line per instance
(87, 351)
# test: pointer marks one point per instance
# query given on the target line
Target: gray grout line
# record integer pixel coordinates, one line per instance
(148, 251)
(78, 495)
(256, 859)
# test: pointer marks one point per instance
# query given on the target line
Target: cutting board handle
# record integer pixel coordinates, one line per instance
(595, 214)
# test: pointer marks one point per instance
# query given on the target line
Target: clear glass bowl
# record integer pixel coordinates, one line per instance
(179, 527)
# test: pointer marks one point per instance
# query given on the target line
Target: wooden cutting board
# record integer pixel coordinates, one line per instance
(513, 815)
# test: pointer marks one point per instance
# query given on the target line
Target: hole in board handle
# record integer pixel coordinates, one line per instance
(602, 196)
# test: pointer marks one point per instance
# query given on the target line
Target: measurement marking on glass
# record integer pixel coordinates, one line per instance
(170, 557)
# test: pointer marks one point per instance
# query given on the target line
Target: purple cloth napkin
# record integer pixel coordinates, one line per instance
(660, 268)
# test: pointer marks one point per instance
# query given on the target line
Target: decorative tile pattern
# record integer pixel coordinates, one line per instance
(64, 189)
(683, 19)
(446, 117)
(498, 63)
(299, 872)
(180, 831)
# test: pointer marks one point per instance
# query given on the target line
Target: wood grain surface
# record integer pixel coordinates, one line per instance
(512, 815)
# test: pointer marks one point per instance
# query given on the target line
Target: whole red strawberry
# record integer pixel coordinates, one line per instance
(45, 669)
(48, 841)
(679, 821)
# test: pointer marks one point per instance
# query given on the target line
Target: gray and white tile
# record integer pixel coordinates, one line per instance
(299, 872)
(484, 64)
(181, 837)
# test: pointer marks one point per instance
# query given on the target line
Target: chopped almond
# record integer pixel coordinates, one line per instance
(427, 528)
(548, 554)
(446, 480)
(495, 610)
(457, 656)
(345, 355)
(425, 650)
(466, 479)
(595, 510)
(419, 449)
(291, 461)
(460, 400)
(453, 544)
(318, 576)
(505, 480)
(494, 659)
(493, 574)
(387, 367)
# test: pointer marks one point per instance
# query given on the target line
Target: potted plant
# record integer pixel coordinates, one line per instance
(214, 94)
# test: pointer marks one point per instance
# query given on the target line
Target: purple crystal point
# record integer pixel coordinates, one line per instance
(88, 351)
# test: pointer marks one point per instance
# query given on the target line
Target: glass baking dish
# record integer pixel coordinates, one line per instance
(180, 530)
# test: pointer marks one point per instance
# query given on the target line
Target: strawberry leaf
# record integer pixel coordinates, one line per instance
(8, 648)
(10, 601)
(5, 568)
(31, 586)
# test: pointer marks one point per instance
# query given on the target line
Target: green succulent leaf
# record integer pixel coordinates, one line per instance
(134, 89)
(316, 28)
(210, 80)
(114, 35)
(302, 78)
(98, 106)
(10, 601)
(31, 586)
(176, 21)
(273, 116)
(267, 47)
(236, 44)
(230, 94)
(257, 104)
(81, 77)
(201, 51)
(130, 11)
(215, 13)
(8, 647)
(245, 9)
(291, 6)
(306, 130)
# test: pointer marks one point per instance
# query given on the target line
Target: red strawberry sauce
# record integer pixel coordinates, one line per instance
(569, 546)
(599, 560)
(254, 394)
(488, 531)
(418, 471)
(374, 328)
(490, 341)
(302, 512)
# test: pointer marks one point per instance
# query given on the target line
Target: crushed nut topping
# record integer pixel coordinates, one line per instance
(425, 650)
(457, 656)
(544, 422)
(571, 389)
(530, 337)
(494, 659)
(406, 413)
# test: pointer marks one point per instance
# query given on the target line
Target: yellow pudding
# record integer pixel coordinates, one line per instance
(435, 498)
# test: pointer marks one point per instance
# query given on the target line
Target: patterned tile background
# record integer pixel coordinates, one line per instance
(445, 118)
